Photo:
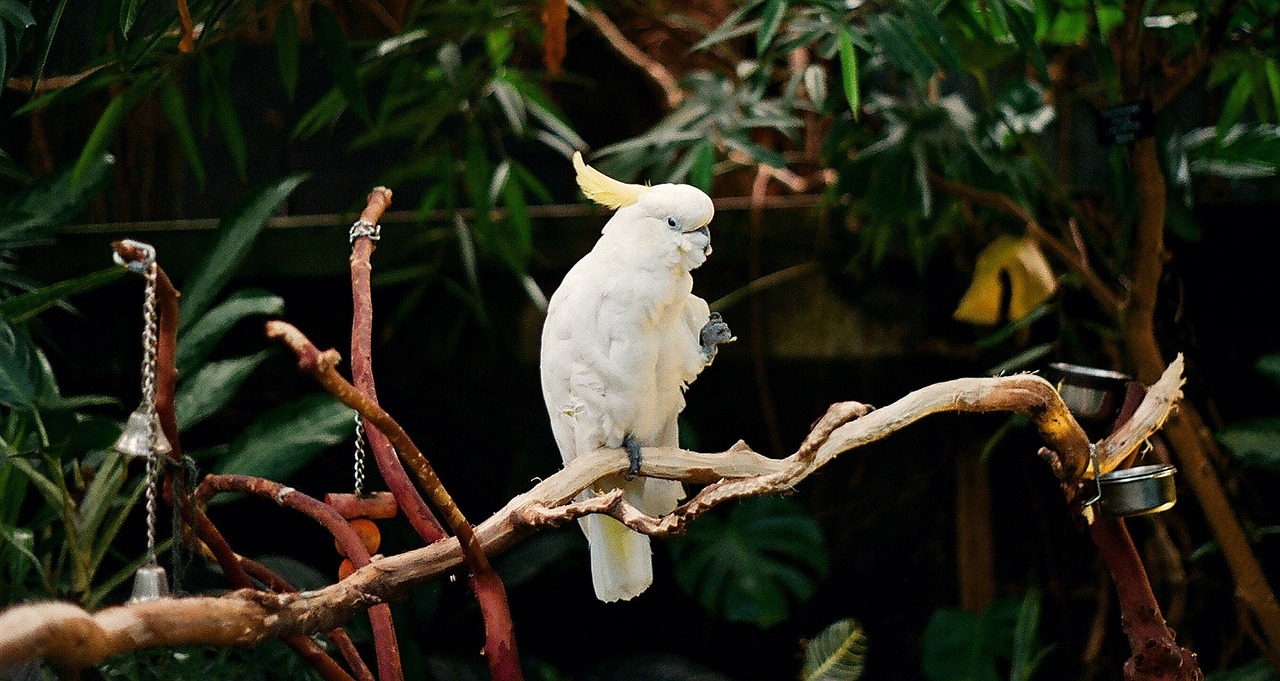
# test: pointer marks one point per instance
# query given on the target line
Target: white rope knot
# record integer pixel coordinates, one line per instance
(137, 266)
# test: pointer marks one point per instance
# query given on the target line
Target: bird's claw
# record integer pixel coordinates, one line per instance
(713, 333)
(633, 453)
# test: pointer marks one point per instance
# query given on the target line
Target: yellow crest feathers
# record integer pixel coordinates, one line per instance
(603, 189)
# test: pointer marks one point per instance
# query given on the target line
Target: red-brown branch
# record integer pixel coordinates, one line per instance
(500, 631)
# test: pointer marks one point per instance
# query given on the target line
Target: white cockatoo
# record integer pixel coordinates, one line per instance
(624, 337)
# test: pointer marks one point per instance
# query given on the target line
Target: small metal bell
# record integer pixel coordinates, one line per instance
(149, 584)
(135, 439)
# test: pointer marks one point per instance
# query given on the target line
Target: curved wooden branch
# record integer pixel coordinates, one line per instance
(69, 637)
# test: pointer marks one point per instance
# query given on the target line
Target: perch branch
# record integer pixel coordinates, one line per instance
(488, 586)
(654, 69)
(72, 638)
(490, 592)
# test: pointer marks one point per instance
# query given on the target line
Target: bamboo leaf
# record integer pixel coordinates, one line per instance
(22, 307)
(239, 229)
(288, 49)
(175, 110)
(287, 438)
(337, 56)
(849, 72)
(195, 344)
(204, 393)
(105, 129)
(128, 15)
(46, 43)
(770, 20)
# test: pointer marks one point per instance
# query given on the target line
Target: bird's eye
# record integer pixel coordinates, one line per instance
(671, 222)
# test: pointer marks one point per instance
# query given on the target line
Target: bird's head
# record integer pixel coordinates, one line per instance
(667, 221)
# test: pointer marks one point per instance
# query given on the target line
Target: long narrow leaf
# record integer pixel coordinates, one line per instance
(770, 20)
(46, 43)
(849, 72)
(195, 344)
(288, 49)
(337, 56)
(22, 307)
(235, 238)
(288, 437)
(105, 130)
(204, 393)
(175, 109)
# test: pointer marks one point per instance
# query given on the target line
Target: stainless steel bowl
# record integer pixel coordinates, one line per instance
(1139, 490)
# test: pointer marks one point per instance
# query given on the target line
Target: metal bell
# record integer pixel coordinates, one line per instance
(149, 584)
(135, 440)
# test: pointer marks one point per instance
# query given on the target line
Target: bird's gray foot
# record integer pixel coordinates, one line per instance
(713, 333)
(633, 451)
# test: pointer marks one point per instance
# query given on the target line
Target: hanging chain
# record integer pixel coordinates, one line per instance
(359, 462)
(150, 352)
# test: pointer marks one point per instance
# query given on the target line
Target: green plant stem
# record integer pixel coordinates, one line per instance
(500, 647)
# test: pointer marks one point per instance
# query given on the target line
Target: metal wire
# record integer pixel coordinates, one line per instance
(359, 457)
(150, 353)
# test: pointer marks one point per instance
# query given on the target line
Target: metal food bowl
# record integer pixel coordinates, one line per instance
(1140, 490)
(1090, 393)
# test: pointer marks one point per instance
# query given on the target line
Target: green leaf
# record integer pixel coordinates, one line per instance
(770, 20)
(50, 203)
(105, 129)
(22, 307)
(337, 56)
(25, 379)
(731, 28)
(704, 165)
(837, 653)
(754, 564)
(46, 43)
(901, 46)
(288, 49)
(1234, 105)
(128, 15)
(288, 437)
(199, 339)
(217, 77)
(951, 649)
(1269, 366)
(1255, 442)
(925, 19)
(175, 110)
(1027, 653)
(239, 229)
(849, 72)
(203, 394)
(1257, 670)
(16, 14)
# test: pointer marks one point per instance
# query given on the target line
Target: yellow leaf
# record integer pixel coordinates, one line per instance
(1030, 279)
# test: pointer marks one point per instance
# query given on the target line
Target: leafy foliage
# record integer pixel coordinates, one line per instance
(753, 564)
(837, 653)
(959, 645)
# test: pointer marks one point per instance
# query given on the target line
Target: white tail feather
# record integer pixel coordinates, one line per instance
(621, 560)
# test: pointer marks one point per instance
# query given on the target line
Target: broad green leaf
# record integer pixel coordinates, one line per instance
(199, 339)
(288, 49)
(337, 56)
(239, 229)
(951, 649)
(51, 202)
(770, 20)
(175, 110)
(1027, 653)
(753, 564)
(837, 653)
(288, 437)
(1255, 442)
(849, 72)
(22, 307)
(105, 129)
(203, 394)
